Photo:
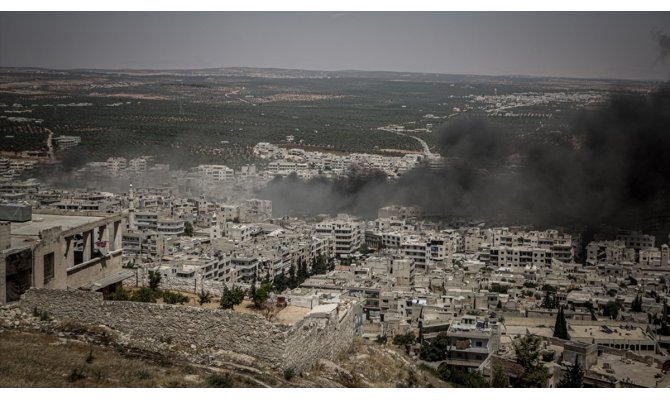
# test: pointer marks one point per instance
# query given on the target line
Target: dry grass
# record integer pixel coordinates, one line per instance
(40, 360)
(384, 366)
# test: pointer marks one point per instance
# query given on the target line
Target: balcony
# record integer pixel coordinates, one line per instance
(93, 261)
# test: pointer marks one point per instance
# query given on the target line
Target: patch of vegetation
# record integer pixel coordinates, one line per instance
(170, 297)
(498, 288)
(231, 297)
(220, 381)
(436, 349)
(76, 374)
(204, 297)
(289, 373)
(461, 378)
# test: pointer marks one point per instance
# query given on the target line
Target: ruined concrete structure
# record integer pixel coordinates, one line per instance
(60, 252)
(207, 334)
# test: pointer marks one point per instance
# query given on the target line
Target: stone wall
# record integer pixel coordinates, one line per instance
(315, 338)
(181, 284)
(205, 334)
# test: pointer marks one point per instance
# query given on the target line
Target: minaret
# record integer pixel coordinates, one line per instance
(131, 209)
(215, 231)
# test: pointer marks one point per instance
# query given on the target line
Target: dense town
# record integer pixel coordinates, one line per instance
(507, 305)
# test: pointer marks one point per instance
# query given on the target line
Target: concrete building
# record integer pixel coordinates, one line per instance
(64, 142)
(60, 252)
(471, 340)
(255, 210)
(519, 256)
(348, 234)
(609, 252)
(143, 243)
(215, 173)
(636, 240)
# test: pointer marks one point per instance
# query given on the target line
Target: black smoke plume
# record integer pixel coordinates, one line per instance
(617, 173)
(663, 41)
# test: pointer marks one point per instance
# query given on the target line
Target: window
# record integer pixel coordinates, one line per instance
(48, 267)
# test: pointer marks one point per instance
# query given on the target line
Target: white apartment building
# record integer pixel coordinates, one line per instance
(138, 165)
(608, 252)
(240, 232)
(348, 234)
(115, 165)
(650, 257)
(147, 220)
(519, 256)
(285, 168)
(417, 251)
(215, 173)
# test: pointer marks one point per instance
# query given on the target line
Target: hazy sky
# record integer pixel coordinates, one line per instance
(612, 45)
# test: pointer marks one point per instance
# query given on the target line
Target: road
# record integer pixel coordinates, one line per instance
(424, 145)
(227, 95)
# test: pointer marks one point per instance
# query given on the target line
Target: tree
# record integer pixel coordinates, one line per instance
(292, 281)
(260, 295)
(574, 378)
(381, 339)
(144, 295)
(188, 228)
(527, 350)
(498, 288)
(636, 305)
(319, 264)
(461, 378)
(436, 350)
(561, 326)
(549, 299)
(154, 280)
(279, 283)
(611, 309)
(204, 297)
(302, 272)
(231, 298)
(499, 378)
(170, 297)
(405, 340)
(252, 289)
(120, 294)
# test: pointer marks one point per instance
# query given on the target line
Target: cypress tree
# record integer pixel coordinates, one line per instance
(636, 305)
(291, 277)
(574, 378)
(561, 326)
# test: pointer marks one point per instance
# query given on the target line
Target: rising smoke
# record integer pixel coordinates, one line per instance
(616, 172)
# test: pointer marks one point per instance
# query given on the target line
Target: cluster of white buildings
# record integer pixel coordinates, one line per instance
(308, 164)
(503, 104)
(479, 287)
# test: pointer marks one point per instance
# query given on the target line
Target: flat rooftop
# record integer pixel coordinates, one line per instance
(637, 372)
(588, 332)
(46, 221)
(291, 314)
